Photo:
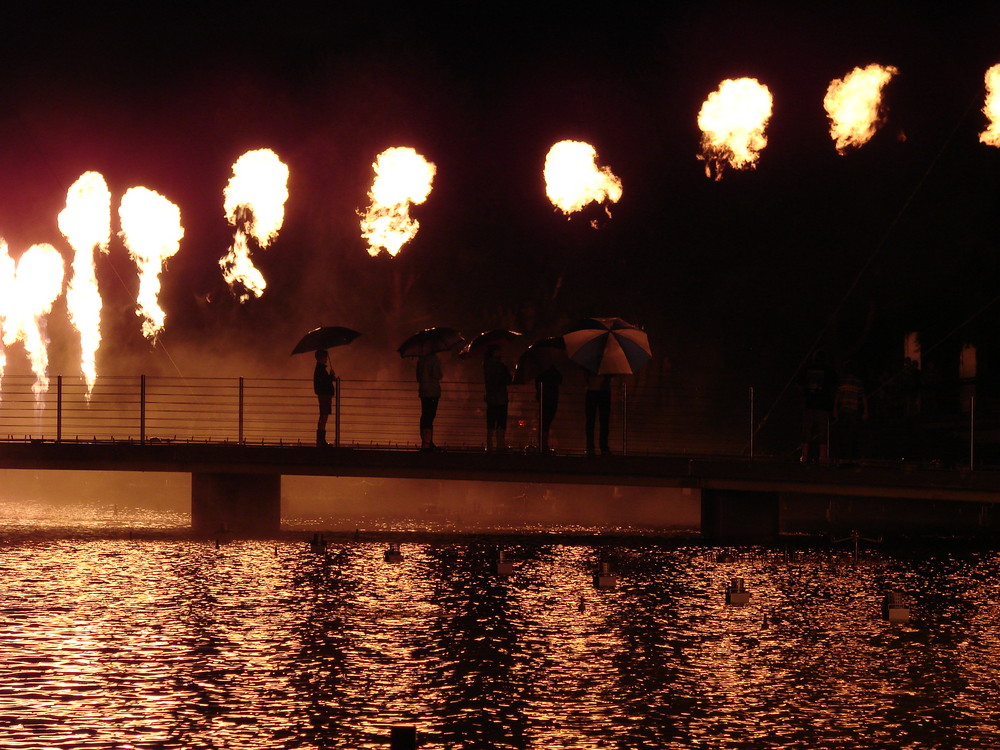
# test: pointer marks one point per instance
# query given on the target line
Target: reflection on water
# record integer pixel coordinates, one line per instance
(162, 641)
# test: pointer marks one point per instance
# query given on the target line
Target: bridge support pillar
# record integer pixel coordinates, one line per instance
(240, 503)
(739, 515)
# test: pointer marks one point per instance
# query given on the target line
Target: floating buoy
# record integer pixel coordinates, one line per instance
(603, 578)
(393, 555)
(737, 594)
(895, 608)
(502, 566)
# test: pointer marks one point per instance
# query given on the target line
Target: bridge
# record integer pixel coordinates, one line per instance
(262, 431)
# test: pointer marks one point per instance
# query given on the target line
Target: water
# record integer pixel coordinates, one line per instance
(163, 641)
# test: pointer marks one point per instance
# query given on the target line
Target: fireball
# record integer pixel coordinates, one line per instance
(732, 120)
(402, 177)
(86, 224)
(254, 202)
(152, 232)
(991, 136)
(854, 105)
(573, 179)
(29, 289)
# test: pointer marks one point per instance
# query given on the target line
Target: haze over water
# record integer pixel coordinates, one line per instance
(154, 639)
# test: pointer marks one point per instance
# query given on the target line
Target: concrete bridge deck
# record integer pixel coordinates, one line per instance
(239, 486)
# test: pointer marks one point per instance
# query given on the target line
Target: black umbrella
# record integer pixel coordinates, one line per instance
(326, 337)
(539, 357)
(487, 338)
(430, 341)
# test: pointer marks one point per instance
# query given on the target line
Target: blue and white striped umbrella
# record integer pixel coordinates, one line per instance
(608, 346)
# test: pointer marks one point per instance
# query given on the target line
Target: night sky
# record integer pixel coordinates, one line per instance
(734, 280)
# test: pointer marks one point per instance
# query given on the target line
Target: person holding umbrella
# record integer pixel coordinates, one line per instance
(319, 340)
(496, 378)
(323, 387)
(429, 380)
(425, 345)
(605, 347)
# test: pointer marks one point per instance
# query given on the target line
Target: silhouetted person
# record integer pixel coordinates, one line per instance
(323, 387)
(496, 378)
(850, 410)
(429, 380)
(598, 404)
(817, 382)
(547, 393)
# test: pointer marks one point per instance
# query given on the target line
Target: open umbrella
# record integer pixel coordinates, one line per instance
(487, 338)
(430, 341)
(607, 346)
(539, 357)
(326, 337)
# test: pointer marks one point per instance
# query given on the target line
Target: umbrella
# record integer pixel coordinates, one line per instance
(608, 346)
(539, 357)
(486, 338)
(326, 337)
(430, 341)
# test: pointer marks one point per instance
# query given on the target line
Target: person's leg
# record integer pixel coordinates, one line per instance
(590, 405)
(501, 427)
(605, 414)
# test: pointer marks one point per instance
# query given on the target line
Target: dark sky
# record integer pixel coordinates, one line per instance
(734, 280)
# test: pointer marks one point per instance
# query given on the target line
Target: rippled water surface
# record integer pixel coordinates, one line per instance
(155, 640)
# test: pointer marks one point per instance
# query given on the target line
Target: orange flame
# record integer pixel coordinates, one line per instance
(402, 177)
(31, 287)
(152, 231)
(854, 105)
(254, 201)
(86, 224)
(573, 179)
(991, 136)
(732, 121)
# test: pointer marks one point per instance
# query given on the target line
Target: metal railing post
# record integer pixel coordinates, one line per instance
(751, 423)
(142, 409)
(241, 411)
(624, 417)
(972, 433)
(336, 416)
(59, 395)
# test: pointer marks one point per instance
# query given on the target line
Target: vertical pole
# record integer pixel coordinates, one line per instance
(59, 394)
(972, 433)
(751, 423)
(142, 409)
(624, 417)
(541, 411)
(241, 411)
(336, 416)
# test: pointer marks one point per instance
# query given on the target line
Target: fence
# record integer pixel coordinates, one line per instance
(377, 414)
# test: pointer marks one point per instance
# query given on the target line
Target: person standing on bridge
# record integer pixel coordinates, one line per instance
(496, 378)
(429, 380)
(323, 387)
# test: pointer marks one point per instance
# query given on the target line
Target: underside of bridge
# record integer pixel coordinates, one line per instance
(238, 503)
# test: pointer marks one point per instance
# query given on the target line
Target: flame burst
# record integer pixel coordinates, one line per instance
(29, 290)
(152, 231)
(86, 224)
(732, 121)
(854, 105)
(254, 201)
(573, 179)
(991, 136)
(402, 177)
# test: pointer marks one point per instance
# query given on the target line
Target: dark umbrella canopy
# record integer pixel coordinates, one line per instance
(539, 357)
(326, 337)
(430, 341)
(488, 338)
(608, 346)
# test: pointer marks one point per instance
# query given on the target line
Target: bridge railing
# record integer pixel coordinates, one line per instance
(378, 414)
